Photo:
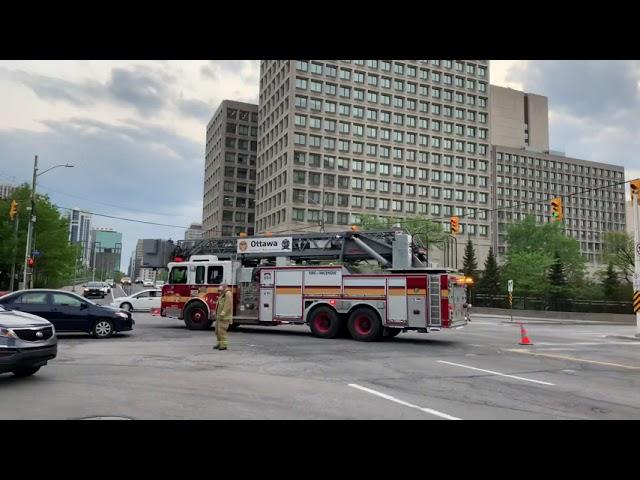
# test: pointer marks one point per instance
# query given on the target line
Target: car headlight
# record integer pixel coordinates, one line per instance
(122, 314)
(86, 289)
(8, 333)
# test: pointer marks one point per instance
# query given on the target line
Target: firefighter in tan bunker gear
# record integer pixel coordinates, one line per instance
(224, 316)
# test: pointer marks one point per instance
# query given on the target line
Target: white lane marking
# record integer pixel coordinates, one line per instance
(497, 373)
(402, 402)
(584, 343)
(574, 359)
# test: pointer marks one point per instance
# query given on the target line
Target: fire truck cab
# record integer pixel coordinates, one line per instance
(329, 298)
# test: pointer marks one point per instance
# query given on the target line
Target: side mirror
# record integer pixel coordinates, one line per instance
(84, 305)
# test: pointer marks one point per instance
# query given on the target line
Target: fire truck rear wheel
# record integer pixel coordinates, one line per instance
(364, 325)
(324, 322)
(196, 317)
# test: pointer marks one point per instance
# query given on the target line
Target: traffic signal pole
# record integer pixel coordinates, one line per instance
(27, 252)
(635, 199)
(13, 253)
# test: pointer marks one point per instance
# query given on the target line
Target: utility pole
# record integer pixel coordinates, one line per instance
(635, 200)
(32, 217)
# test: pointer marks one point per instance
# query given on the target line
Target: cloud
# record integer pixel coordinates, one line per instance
(140, 88)
(55, 89)
(593, 106)
(134, 166)
(217, 69)
(195, 108)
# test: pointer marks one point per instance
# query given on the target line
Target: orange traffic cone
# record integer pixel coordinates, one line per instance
(524, 336)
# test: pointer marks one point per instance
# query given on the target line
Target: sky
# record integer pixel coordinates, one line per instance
(135, 130)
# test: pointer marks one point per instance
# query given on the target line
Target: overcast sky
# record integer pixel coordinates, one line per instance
(135, 130)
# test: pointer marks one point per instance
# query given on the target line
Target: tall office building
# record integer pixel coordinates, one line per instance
(230, 170)
(400, 138)
(519, 119)
(106, 250)
(528, 175)
(194, 232)
(79, 233)
(6, 190)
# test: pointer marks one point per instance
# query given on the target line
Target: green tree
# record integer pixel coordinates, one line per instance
(489, 282)
(617, 248)
(610, 283)
(530, 242)
(470, 263)
(55, 265)
(528, 272)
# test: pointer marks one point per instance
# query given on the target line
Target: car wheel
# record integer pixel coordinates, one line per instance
(25, 372)
(103, 328)
(364, 325)
(127, 307)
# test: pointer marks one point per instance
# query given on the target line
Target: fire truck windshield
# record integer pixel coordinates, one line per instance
(178, 275)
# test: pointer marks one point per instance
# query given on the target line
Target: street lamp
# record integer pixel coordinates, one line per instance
(32, 217)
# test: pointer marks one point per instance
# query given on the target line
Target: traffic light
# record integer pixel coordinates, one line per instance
(556, 209)
(635, 188)
(30, 262)
(13, 210)
(455, 225)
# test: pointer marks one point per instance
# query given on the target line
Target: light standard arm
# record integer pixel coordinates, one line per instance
(28, 247)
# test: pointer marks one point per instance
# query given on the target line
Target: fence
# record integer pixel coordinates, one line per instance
(525, 302)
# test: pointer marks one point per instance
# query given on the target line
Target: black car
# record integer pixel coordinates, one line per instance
(69, 312)
(94, 289)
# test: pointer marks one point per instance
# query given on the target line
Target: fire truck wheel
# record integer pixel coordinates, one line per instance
(196, 318)
(364, 325)
(324, 322)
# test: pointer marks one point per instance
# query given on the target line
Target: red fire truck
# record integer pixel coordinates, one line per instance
(331, 299)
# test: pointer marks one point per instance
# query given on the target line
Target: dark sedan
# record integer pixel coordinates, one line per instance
(69, 312)
(94, 289)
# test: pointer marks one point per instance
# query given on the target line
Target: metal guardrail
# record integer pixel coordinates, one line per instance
(525, 302)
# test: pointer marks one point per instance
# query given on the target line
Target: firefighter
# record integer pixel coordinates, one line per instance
(224, 314)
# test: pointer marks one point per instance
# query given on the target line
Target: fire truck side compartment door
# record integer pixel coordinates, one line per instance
(397, 300)
(288, 293)
(266, 304)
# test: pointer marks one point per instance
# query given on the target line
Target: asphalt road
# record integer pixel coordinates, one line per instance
(163, 371)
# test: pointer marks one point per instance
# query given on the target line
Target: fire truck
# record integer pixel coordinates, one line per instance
(317, 280)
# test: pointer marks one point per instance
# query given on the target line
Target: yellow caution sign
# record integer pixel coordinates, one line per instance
(636, 301)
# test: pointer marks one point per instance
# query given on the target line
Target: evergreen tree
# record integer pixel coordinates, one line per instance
(610, 284)
(557, 272)
(470, 263)
(489, 282)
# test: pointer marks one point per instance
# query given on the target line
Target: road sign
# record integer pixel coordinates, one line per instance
(510, 286)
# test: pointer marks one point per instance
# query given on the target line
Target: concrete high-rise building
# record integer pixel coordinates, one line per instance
(194, 232)
(230, 170)
(528, 175)
(80, 233)
(526, 181)
(628, 207)
(519, 119)
(398, 138)
(6, 190)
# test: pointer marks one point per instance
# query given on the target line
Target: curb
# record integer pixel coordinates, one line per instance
(561, 322)
(625, 337)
